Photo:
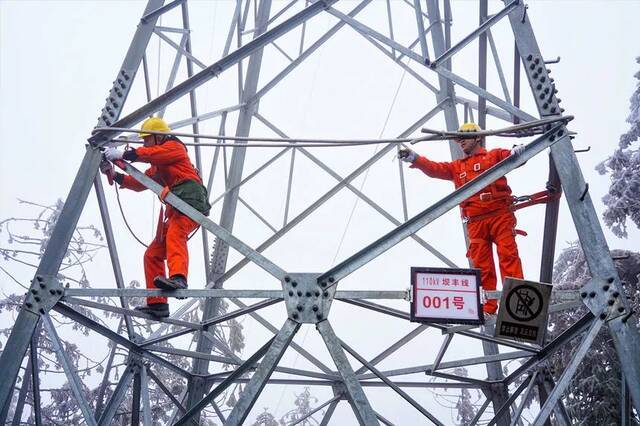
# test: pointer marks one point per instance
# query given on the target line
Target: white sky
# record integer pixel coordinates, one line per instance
(58, 59)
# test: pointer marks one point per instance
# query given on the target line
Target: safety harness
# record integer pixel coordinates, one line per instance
(518, 203)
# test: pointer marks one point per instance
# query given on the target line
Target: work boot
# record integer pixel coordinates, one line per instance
(176, 282)
(158, 310)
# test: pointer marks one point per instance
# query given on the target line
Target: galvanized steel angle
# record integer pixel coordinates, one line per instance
(308, 301)
(44, 293)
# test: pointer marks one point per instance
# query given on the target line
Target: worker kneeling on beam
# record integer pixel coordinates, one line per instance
(487, 213)
(172, 168)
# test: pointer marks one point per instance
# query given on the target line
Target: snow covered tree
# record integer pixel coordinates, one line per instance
(594, 392)
(623, 198)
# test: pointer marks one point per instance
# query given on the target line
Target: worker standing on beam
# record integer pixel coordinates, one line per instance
(487, 213)
(172, 168)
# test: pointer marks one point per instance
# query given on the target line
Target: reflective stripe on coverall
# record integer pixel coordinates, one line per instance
(498, 229)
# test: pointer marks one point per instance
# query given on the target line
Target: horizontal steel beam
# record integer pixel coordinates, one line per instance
(210, 293)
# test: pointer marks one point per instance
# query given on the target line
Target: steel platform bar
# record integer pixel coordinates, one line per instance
(129, 312)
(135, 399)
(356, 396)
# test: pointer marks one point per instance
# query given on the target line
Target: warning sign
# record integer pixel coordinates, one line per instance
(523, 310)
(446, 295)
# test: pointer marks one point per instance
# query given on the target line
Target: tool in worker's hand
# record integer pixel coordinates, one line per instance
(407, 154)
(107, 168)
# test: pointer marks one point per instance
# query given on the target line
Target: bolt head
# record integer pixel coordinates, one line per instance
(28, 304)
(592, 294)
(287, 279)
(34, 291)
(610, 302)
(615, 294)
(331, 279)
(295, 315)
(290, 293)
(325, 294)
(52, 292)
(610, 280)
(42, 285)
(299, 293)
(323, 284)
(603, 316)
(300, 308)
(621, 309)
(315, 308)
(308, 294)
(529, 57)
(37, 299)
(59, 291)
(41, 310)
(317, 293)
(583, 294)
(605, 288)
(319, 317)
(294, 283)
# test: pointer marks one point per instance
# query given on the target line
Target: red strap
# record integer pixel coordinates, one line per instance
(533, 199)
(164, 193)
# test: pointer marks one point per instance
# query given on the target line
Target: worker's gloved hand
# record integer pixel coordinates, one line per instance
(112, 154)
(405, 154)
(517, 150)
(107, 169)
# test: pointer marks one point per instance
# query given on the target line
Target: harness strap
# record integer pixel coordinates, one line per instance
(164, 193)
(519, 203)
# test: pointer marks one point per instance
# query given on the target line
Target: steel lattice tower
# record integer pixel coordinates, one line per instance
(308, 296)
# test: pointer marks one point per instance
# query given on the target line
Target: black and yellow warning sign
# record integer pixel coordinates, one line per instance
(523, 310)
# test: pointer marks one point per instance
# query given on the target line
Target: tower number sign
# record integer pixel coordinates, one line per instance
(446, 295)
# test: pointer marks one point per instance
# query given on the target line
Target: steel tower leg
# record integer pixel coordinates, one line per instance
(606, 282)
(197, 386)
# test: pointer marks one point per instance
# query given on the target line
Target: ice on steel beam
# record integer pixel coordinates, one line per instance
(446, 295)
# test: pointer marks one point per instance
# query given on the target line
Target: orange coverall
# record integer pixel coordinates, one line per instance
(170, 165)
(483, 231)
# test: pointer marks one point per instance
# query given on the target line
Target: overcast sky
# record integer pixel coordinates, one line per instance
(58, 59)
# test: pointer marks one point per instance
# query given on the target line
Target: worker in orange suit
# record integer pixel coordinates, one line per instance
(487, 213)
(172, 168)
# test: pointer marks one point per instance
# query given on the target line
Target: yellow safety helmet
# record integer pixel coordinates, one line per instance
(154, 124)
(469, 127)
